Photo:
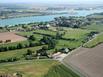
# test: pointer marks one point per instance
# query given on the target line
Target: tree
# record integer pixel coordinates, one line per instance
(19, 46)
(1, 49)
(18, 74)
(73, 22)
(1, 41)
(58, 35)
(1, 27)
(52, 44)
(5, 48)
(32, 38)
(42, 52)
(7, 41)
(44, 40)
(29, 52)
(50, 41)
(31, 44)
(45, 47)
(11, 48)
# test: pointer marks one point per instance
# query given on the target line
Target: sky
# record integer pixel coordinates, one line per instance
(55, 1)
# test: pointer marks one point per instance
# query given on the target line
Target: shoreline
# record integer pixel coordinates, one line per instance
(33, 15)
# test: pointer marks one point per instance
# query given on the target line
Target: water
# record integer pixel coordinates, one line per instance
(23, 20)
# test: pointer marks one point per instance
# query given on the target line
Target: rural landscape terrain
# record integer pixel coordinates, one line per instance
(67, 46)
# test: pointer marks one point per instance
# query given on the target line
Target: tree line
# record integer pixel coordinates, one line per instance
(45, 40)
(73, 22)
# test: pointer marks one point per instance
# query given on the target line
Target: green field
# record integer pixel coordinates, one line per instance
(37, 31)
(95, 27)
(44, 67)
(37, 68)
(70, 33)
(75, 33)
(69, 44)
(14, 43)
(49, 32)
(95, 41)
(60, 71)
(17, 53)
(78, 34)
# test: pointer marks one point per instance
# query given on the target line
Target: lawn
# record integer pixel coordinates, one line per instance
(95, 41)
(37, 68)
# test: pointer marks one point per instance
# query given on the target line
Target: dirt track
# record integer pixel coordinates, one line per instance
(87, 61)
(11, 36)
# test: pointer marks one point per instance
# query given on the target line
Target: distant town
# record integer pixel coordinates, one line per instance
(24, 10)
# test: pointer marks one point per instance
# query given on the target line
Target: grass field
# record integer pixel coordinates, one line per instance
(95, 41)
(69, 44)
(95, 27)
(17, 53)
(14, 43)
(37, 68)
(37, 31)
(69, 33)
(60, 71)
(37, 36)
(49, 32)
(77, 34)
